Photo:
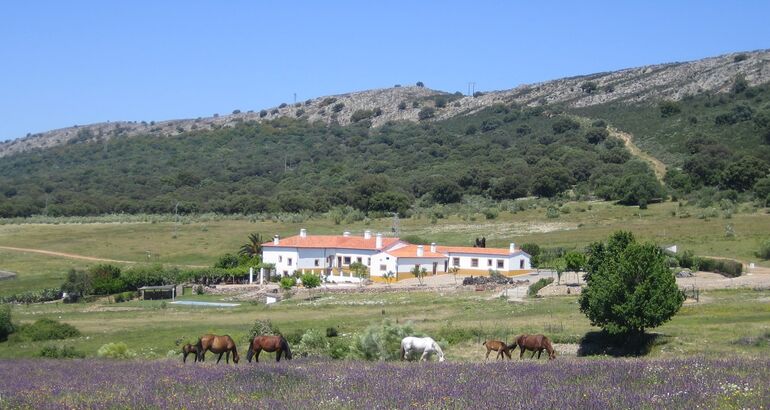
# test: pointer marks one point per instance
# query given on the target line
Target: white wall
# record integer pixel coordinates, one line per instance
(509, 262)
(382, 259)
(406, 265)
(280, 256)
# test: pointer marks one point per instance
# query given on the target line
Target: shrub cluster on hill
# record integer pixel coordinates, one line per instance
(291, 165)
(708, 140)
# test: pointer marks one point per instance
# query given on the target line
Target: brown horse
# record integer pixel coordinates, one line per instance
(217, 344)
(500, 347)
(534, 343)
(187, 349)
(277, 344)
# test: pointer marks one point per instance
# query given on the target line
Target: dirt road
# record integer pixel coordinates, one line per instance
(74, 256)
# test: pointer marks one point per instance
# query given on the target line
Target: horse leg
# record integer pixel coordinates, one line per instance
(539, 352)
(424, 355)
(521, 355)
(488, 351)
(278, 355)
(220, 357)
(256, 355)
(184, 357)
(533, 354)
(227, 357)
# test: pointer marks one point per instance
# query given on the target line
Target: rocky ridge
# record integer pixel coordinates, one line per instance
(634, 85)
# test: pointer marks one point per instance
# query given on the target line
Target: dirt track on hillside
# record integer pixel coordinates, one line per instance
(74, 256)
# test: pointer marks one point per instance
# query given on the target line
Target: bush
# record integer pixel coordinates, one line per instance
(540, 284)
(669, 108)
(63, 352)
(764, 250)
(313, 343)
(117, 350)
(124, 296)
(288, 282)
(338, 107)
(310, 280)
(33, 296)
(6, 327)
(565, 124)
(46, 329)
(339, 348)
(263, 327)
(426, 113)
(726, 267)
(380, 341)
(331, 332)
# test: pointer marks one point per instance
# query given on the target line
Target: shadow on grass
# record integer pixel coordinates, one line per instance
(603, 343)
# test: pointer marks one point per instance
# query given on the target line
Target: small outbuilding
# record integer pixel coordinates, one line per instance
(158, 292)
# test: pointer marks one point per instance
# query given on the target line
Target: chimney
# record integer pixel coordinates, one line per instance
(367, 234)
(303, 233)
(420, 252)
(275, 240)
(433, 247)
(378, 241)
(346, 234)
(512, 248)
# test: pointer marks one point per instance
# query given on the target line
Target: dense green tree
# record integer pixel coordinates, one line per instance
(629, 286)
(743, 174)
(446, 192)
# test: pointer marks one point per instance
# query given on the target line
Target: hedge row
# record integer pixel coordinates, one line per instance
(33, 296)
(727, 267)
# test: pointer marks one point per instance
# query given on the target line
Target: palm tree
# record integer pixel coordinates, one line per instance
(253, 248)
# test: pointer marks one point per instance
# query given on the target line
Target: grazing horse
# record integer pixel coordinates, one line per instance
(277, 344)
(217, 344)
(535, 343)
(188, 349)
(424, 345)
(498, 346)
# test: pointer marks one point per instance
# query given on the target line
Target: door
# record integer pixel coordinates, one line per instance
(435, 267)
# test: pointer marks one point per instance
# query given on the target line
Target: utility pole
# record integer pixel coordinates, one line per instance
(295, 98)
(471, 88)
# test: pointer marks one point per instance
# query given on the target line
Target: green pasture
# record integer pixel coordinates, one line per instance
(199, 243)
(463, 319)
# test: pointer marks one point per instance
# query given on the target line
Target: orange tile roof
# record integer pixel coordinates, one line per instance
(410, 251)
(478, 251)
(332, 241)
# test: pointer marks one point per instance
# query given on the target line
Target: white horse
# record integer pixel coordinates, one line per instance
(424, 345)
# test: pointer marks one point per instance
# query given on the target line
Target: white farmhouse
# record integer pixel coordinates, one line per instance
(332, 255)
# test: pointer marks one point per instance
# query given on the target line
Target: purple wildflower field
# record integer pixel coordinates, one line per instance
(300, 384)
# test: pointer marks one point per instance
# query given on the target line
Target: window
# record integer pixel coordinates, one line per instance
(359, 260)
(455, 261)
(489, 262)
(347, 260)
(280, 258)
(383, 268)
(500, 264)
(474, 263)
(317, 262)
(288, 261)
(368, 261)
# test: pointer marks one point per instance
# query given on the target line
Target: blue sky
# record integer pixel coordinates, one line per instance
(78, 62)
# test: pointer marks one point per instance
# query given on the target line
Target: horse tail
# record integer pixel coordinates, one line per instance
(402, 352)
(285, 348)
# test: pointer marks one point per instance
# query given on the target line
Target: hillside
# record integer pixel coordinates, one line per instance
(385, 151)
(672, 81)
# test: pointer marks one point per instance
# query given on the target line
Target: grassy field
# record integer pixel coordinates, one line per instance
(463, 318)
(201, 242)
